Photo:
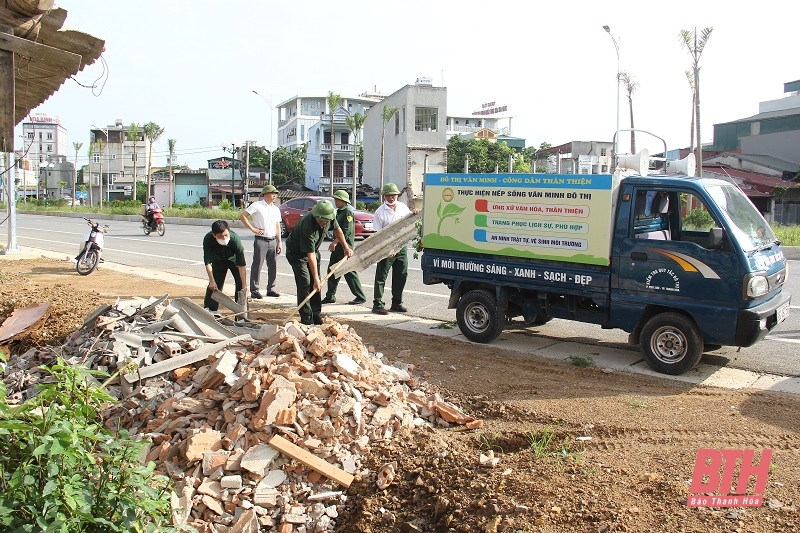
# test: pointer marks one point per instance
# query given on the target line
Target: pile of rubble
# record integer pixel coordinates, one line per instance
(262, 427)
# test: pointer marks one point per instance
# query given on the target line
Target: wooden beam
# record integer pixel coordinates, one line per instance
(7, 102)
(310, 460)
(70, 62)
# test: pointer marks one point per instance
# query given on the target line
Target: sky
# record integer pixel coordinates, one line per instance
(191, 65)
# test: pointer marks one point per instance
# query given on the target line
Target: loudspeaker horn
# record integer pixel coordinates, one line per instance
(639, 161)
(686, 166)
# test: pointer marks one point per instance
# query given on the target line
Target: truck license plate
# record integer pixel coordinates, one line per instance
(783, 312)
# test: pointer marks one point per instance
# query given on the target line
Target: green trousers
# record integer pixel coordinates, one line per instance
(399, 267)
(351, 278)
(311, 312)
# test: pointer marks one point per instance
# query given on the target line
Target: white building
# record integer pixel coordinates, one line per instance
(42, 136)
(318, 154)
(298, 114)
(119, 162)
(415, 140)
(491, 115)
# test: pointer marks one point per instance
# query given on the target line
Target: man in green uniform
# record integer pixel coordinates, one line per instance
(302, 252)
(222, 252)
(347, 222)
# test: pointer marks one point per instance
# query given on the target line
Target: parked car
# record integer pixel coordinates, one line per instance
(292, 210)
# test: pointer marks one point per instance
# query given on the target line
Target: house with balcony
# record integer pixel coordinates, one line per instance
(490, 116)
(415, 140)
(321, 136)
(120, 163)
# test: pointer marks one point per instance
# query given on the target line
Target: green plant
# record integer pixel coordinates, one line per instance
(445, 325)
(62, 470)
(490, 442)
(540, 441)
(698, 219)
(225, 205)
(581, 360)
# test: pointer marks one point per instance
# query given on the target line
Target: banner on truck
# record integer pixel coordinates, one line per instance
(560, 217)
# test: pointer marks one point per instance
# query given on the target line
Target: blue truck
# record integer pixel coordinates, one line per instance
(682, 264)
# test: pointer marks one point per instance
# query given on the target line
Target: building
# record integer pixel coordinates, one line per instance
(491, 115)
(298, 114)
(191, 187)
(42, 137)
(415, 140)
(225, 174)
(56, 177)
(576, 157)
(318, 153)
(119, 163)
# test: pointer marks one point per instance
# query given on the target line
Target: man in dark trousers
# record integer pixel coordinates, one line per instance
(347, 222)
(302, 252)
(223, 252)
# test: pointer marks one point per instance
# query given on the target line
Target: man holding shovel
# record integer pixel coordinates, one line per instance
(302, 252)
(347, 222)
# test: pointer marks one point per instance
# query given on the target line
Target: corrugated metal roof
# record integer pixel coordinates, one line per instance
(765, 116)
(752, 183)
(769, 162)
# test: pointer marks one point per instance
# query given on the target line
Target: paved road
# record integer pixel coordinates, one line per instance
(180, 252)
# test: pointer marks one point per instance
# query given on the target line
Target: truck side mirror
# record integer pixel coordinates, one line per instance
(715, 238)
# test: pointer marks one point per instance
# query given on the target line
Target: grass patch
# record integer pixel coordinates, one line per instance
(445, 325)
(581, 360)
(490, 441)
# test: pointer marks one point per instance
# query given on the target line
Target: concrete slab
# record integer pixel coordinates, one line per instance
(777, 384)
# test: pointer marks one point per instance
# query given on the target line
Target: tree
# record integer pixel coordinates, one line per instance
(77, 145)
(333, 103)
(484, 156)
(289, 165)
(695, 45)
(132, 135)
(153, 132)
(171, 145)
(690, 79)
(387, 113)
(355, 122)
(630, 85)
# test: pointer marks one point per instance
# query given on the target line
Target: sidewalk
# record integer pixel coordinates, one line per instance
(608, 359)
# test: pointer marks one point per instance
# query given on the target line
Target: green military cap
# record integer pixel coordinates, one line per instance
(268, 189)
(324, 210)
(342, 195)
(389, 188)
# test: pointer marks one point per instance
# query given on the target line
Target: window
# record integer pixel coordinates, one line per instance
(49, 147)
(40, 135)
(95, 158)
(49, 136)
(133, 157)
(396, 123)
(604, 169)
(302, 132)
(326, 137)
(305, 106)
(360, 107)
(404, 118)
(344, 138)
(189, 192)
(426, 118)
(30, 135)
(602, 152)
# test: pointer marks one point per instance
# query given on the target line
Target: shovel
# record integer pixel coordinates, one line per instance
(313, 292)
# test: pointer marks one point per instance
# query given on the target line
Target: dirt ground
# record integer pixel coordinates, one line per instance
(575, 448)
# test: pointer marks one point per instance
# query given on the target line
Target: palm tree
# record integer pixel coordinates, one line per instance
(333, 103)
(171, 145)
(153, 132)
(387, 113)
(630, 86)
(355, 123)
(91, 152)
(100, 145)
(690, 79)
(77, 145)
(695, 45)
(133, 135)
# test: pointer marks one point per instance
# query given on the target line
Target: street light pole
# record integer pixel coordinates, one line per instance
(616, 135)
(232, 151)
(269, 102)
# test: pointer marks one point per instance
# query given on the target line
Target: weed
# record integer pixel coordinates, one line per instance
(490, 442)
(541, 441)
(636, 404)
(581, 360)
(445, 325)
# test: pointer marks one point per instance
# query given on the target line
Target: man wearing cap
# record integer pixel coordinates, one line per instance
(347, 223)
(302, 252)
(223, 252)
(389, 212)
(267, 242)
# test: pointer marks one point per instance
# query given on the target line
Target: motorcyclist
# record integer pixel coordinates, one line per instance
(150, 208)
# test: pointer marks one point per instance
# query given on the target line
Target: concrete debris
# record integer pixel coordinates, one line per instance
(258, 425)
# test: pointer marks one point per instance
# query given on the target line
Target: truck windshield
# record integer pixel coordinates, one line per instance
(747, 225)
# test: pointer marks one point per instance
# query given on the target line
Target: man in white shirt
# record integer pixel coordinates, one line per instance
(390, 211)
(267, 243)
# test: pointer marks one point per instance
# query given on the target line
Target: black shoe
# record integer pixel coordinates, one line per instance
(328, 300)
(380, 311)
(318, 320)
(256, 295)
(357, 301)
(272, 294)
(398, 309)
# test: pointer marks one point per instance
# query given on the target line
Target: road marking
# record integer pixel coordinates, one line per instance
(110, 250)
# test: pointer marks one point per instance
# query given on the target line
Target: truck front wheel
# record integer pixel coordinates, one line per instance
(671, 343)
(478, 317)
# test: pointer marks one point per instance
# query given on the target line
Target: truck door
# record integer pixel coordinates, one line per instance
(667, 261)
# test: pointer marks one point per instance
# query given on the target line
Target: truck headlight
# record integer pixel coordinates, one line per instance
(757, 286)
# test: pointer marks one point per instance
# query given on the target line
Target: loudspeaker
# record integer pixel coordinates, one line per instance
(686, 166)
(639, 162)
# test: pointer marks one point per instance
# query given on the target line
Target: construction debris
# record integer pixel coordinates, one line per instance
(260, 426)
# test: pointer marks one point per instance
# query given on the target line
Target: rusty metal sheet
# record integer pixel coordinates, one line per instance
(23, 319)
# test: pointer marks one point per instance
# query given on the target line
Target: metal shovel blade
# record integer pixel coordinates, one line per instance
(382, 244)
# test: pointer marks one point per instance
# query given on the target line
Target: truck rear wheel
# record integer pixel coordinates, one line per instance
(671, 343)
(478, 317)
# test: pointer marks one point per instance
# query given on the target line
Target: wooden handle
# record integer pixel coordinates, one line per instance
(313, 292)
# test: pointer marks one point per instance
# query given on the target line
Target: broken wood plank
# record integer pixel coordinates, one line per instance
(311, 460)
(183, 360)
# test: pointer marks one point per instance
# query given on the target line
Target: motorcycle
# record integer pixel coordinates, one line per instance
(157, 225)
(89, 254)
